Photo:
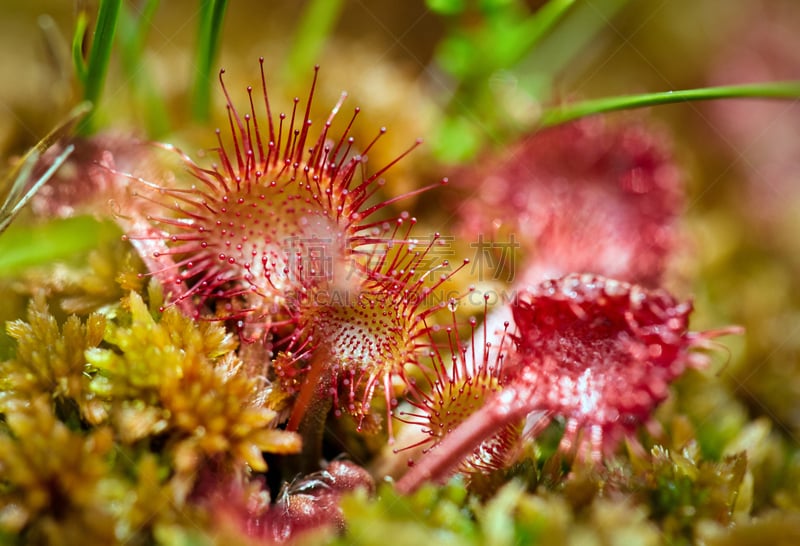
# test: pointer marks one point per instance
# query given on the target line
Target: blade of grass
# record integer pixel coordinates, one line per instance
(212, 13)
(472, 116)
(557, 50)
(134, 26)
(17, 179)
(543, 20)
(56, 50)
(99, 57)
(78, 38)
(314, 28)
(565, 113)
(15, 201)
(132, 32)
(13, 180)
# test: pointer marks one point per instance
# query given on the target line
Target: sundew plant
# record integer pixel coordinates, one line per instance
(449, 271)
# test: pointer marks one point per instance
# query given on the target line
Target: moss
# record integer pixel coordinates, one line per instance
(56, 481)
(449, 514)
(50, 360)
(683, 490)
(105, 423)
(432, 514)
(180, 379)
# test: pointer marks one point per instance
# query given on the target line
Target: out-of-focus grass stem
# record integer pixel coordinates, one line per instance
(313, 30)
(212, 14)
(92, 74)
(568, 112)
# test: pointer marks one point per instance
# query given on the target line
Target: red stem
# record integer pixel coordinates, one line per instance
(437, 465)
(315, 387)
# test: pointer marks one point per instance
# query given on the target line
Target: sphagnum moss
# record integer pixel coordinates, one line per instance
(53, 477)
(208, 406)
(50, 360)
(106, 422)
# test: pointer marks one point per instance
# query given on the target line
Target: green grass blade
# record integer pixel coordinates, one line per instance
(212, 14)
(531, 52)
(16, 185)
(569, 112)
(99, 57)
(77, 47)
(14, 176)
(15, 201)
(556, 51)
(545, 18)
(314, 28)
(145, 19)
(133, 28)
(132, 33)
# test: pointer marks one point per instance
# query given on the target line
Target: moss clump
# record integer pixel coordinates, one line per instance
(50, 360)
(450, 515)
(181, 379)
(108, 422)
(55, 480)
(684, 490)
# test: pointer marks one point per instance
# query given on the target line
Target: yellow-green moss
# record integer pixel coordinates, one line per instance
(180, 378)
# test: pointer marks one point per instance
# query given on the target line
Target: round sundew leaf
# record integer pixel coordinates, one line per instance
(619, 183)
(599, 352)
